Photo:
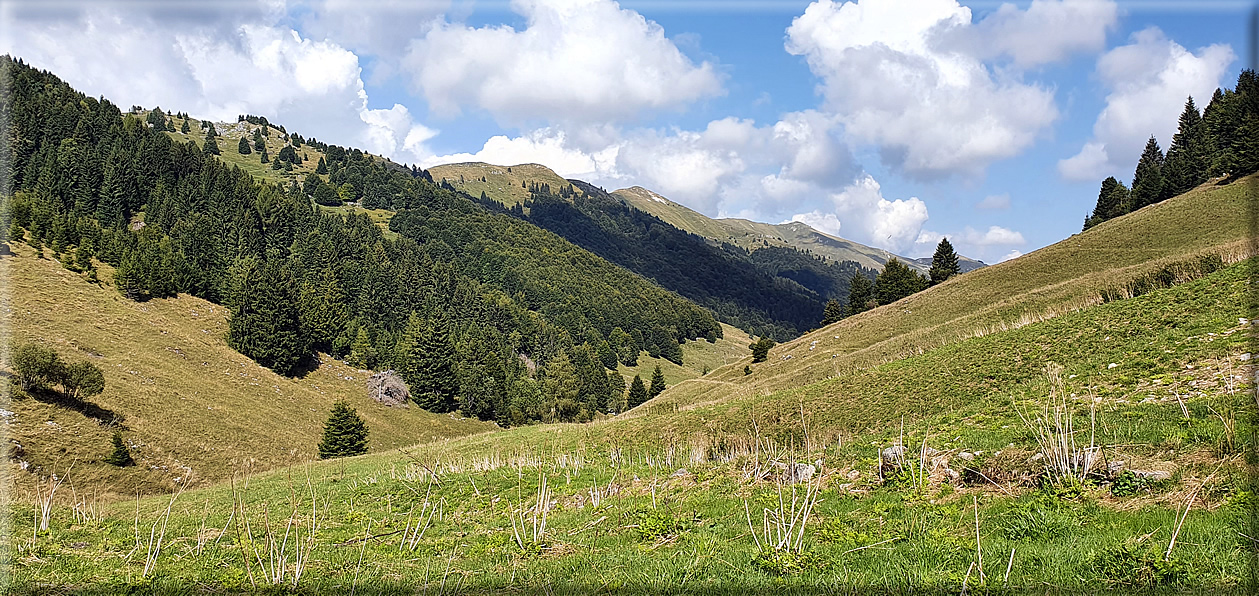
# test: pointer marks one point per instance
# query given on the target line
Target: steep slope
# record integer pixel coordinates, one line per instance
(175, 218)
(777, 291)
(1169, 242)
(752, 235)
(191, 407)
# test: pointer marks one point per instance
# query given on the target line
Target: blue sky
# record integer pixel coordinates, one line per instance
(890, 122)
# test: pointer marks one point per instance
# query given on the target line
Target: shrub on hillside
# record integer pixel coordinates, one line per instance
(40, 368)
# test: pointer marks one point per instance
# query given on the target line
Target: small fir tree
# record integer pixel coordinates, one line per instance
(344, 433)
(657, 382)
(210, 146)
(322, 168)
(185, 129)
(243, 147)
(121, 455)
(833, 312)
(944, 262)
(637, 393)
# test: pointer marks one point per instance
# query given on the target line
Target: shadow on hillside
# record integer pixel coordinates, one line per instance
(101, 415)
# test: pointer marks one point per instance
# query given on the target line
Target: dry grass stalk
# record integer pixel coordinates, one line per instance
(529, 526)
(782, 528)
(1054, 428)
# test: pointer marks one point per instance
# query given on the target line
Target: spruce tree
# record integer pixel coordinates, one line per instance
(265, 324)
(1110, 201)
(243, 147)
(210, 146)
(344, 433)
(833, 312)
(322, 168)
(426, 361)
(362, 354)
(260, 144)
(943, 263)
(637, 393)
(1147, 181)
(897, 281)
(657, 382)
(1188, 157)
(860, 293)
(616, 393)
(185, 129)
(607, 355)
(760, 349)
(265, 158)
(121, 455)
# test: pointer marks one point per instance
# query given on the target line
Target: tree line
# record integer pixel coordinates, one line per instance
(1221, 141)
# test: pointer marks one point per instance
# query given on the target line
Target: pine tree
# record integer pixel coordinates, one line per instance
(1147, 181)
(760, 349)
(1110, 201)
(120, 456)
(426, 361)
(344, 433)
(860, 294)
(657, 382)
(1188, 157)
(210, 146)
(243, 147)
(607, 355)
(322, 168)
(185, 129)
(897, 281)
(260, 144)
(637, 393)
(362, 354)
(833, 312)
(943, 263)
(265, 324)
(265, 158)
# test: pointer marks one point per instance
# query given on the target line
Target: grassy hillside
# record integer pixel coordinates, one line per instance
(669, 501)
(194, 408)
(1163, 242)
(752, 235)
(698, 358)
(505, 184)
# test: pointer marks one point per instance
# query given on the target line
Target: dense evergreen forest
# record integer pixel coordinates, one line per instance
(777, 292)
(1221, 141)
(479, 311)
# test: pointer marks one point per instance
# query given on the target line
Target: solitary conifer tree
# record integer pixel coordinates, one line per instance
(657, 382)
(243, 147)
(185, 129)
(344, 433)
(120, 456)
(210, 147)
(637, 392)
(944, 262)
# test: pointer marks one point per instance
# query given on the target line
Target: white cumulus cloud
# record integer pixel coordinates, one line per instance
(1148, 81)
(995, 236)
(219, 71)
(869, 218)
(909, 77)
(577, 61)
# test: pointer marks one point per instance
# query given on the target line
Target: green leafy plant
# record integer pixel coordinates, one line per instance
(1132, 564)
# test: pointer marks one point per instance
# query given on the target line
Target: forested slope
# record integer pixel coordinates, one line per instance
(497, 295)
